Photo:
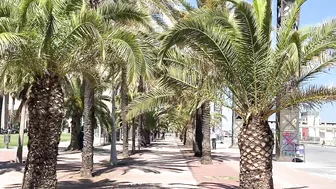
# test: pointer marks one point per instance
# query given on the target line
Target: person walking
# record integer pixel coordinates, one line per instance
(213, 139)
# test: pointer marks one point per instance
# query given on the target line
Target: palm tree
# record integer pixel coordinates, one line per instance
(162, 13)
(118, 44)
(263, 79)
(74, 92)
(74, 105)
(124, 124)
(88, 114)
(133, 62)
(17, 83)
(40, 42)
(183, 82)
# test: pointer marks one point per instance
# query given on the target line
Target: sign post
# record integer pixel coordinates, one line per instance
(300, 153)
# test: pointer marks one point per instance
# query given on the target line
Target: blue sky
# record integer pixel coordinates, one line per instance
(314, 12)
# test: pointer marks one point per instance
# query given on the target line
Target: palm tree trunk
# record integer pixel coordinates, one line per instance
(133, 135)
(12, 113)
(206, 146)
(21, 134)
(113, 156)
(140, 130)
(190, 136)
(256, 147)
(140, 133)
(4, 112)
(87, 153)
(198, 134)
(184, 135)
(1, 110)
(124, 91)
(147, 136)
(45, 106)
(75, 131)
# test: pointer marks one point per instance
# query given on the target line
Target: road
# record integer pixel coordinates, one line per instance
(320, 161)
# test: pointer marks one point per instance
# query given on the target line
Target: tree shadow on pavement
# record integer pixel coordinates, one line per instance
(223, 157)
(88, 184)
(106, 183)
(160, 144)
(8, 167)
(162, 161)
(220, 157)
(203, 185)
(68, 167)
(212, 185)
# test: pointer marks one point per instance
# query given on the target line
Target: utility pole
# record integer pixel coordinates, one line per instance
(287, 121)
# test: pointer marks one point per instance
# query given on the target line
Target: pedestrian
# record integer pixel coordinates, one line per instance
(323, 143)
(213, 139)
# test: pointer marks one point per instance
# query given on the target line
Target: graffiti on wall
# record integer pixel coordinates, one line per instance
(289, 142)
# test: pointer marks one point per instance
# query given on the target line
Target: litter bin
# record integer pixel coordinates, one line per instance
(7, 140)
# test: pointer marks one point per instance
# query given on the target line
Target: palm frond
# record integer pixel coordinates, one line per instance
(9, 40)
(310, 97)
(287, 25)
(149, 101)
(319, 39)
(122, 12)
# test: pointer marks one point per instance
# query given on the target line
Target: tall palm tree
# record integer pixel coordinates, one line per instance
(134, 61)
(88, 114)
(181, 80)
(163, 13)
(113, 43)
(43, 39)
(74, 97)
(263, 79)
(74, 105)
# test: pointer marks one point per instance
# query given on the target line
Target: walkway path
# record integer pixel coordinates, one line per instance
(286, 175)
(160, 166)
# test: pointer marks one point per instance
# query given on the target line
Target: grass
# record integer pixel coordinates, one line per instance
(15, 138)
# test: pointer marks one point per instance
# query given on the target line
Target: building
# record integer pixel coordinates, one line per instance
(312, 129)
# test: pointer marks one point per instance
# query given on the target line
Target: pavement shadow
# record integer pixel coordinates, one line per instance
(161, 161)
(220, 157)
(223, 157)
(161, 143)
(106, 183)
(65, 168)
(8, 167)
(212, 185)
(203, 185)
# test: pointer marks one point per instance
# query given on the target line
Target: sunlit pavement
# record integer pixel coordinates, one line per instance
(318, 172)
(161, 165)
(320, 161)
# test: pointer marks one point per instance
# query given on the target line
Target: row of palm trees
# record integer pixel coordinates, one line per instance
(68, 52)
(231, 47)
(44, 44)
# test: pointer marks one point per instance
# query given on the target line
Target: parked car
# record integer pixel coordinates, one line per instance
(15, 131)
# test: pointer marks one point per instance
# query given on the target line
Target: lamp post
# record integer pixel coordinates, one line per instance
(287, 121)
